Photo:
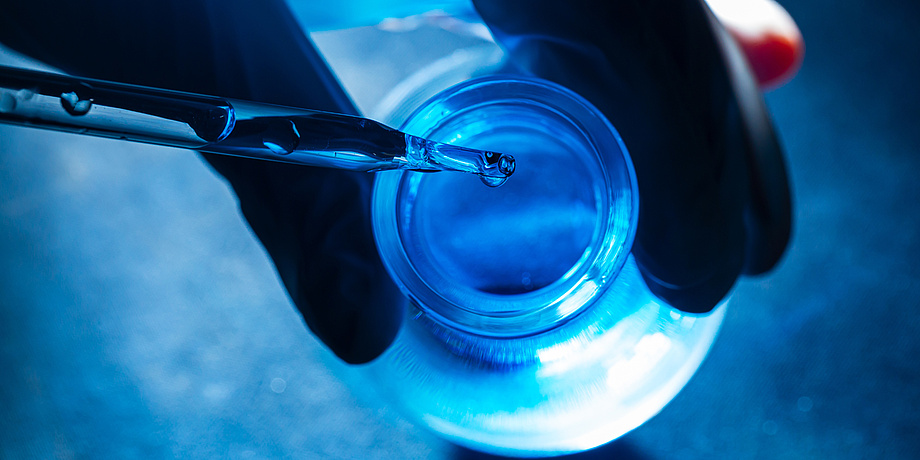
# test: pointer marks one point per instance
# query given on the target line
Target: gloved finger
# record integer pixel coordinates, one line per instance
(658, 70)
(768, 36)
(768, 213)
(314, 223)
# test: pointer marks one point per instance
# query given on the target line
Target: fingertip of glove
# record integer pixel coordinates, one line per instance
(358, 336)
(361, 348)
(698, 298)
(713, 280)
(350, 303)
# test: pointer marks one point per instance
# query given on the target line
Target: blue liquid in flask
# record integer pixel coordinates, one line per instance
(529, 329)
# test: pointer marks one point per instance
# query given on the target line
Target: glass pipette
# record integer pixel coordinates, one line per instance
(229, 126)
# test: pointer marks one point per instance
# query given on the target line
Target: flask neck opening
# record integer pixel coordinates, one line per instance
(526, 256)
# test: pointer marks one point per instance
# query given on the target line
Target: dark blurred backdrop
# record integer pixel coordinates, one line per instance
(139, 318)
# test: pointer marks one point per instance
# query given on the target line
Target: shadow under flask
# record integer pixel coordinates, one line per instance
(529, 330)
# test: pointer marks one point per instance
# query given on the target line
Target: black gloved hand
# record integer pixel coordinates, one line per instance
(714, 197)
(314, 222)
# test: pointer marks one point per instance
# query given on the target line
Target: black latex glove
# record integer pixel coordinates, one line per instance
(314, 223)
(713, 188)
(714, 197)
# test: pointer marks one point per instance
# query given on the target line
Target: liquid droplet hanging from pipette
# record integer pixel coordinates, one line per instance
(493, 168)
(493, 181)
(503, 164)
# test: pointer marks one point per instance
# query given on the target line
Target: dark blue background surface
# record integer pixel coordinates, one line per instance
(139, 318)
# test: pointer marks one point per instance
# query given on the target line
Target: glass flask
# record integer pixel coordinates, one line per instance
(529, 330)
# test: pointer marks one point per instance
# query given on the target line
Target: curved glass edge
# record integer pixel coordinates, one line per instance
(563, 299)
(550, 394)
(410, 94)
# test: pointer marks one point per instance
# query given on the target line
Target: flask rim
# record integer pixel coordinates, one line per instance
(516, 314)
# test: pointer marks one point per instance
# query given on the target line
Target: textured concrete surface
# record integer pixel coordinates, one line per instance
(140, 319)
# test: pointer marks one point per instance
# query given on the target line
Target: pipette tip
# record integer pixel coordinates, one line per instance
(493, 168)
(496, 169)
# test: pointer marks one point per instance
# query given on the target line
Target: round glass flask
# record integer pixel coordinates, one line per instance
(529, 329)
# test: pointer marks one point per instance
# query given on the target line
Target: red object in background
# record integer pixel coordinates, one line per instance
(774, 58)
(768, 36)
